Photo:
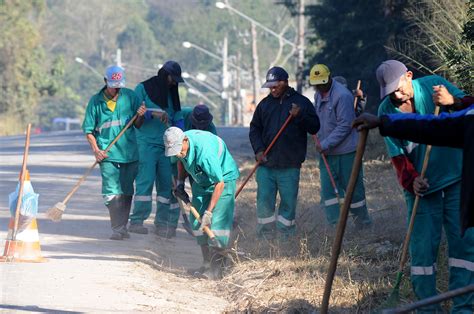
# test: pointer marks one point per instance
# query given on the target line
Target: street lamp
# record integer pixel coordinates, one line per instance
(84, 63)
(299, 46)
(201, 81)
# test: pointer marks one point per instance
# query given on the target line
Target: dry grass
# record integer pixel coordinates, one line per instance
(290, 276)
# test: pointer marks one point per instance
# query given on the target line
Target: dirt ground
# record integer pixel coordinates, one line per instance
(290, 276)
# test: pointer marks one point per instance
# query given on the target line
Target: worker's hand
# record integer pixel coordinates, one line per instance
(319, 148)
(162, 116)
(260, 157)
(366, 121)
(441, 96)
(295, 110)
(358, 93)
(100, 155)
(180, 193)
(206, 219)
(141, 110)
(420, 185)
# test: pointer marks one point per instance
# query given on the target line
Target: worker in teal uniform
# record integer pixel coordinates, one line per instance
(160, 94)
(439, 205)
(205, 157)
(106, 115)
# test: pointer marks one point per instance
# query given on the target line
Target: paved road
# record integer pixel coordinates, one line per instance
(86, 272)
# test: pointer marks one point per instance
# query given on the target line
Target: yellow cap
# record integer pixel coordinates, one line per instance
(319, 74)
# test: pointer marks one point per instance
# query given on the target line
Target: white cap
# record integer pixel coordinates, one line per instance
(173, 139)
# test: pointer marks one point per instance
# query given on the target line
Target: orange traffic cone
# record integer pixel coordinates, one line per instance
(26, 247)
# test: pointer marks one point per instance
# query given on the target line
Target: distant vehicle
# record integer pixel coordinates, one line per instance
(66, 124)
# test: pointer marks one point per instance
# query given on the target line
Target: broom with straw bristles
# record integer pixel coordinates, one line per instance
(56, 212)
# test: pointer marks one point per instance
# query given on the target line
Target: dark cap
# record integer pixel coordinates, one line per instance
(274, 75)
(173, 69)
(388, 75)
(201, 118)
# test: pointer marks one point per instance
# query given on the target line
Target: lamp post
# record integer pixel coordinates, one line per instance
(84, 63)
(300, 40)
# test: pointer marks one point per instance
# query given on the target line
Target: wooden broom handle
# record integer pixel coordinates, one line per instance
(88, 171)
(196, 215)
(355, 98)
(341, 226)
(406, 242)
(22, 182)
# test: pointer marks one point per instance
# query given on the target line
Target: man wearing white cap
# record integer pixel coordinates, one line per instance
(205, 157)
(106, 114)
(439, 204)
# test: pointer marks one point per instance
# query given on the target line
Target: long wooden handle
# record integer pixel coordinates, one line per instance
(88, 171)
(283, 127)
(406, 242)
(355, 98)
(336, 248)
(196, 215)
(328, 169)
(22, 182)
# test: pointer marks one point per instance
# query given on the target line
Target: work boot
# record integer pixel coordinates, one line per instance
(161, 231)
(137, 228)
(116, 236)
(116, 217)
(125, 234)
(171, 233)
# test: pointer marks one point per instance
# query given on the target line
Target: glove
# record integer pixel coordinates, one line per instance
(181, 193)
(148, 115)
(206, 219)
(260, 158)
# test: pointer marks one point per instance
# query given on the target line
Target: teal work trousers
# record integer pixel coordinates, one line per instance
(341, 168)
(154, 169)
(435, 211)
(222, 214)
(117, 179)
(271, 181)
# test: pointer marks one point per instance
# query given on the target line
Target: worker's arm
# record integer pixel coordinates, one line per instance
(98, 153)
(344, 116)
(406, 172)
(305, 116)
(141, 116)
(179, 192)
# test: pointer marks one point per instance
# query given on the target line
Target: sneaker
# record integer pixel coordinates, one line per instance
(136, 228)
(116, 236)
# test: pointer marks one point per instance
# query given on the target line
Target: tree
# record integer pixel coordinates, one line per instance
(435, 43)
(350, 38)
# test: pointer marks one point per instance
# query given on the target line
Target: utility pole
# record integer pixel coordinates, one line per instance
(239, 110)
(255, 74)
(225, 85)
(118, 57)
(300, 45)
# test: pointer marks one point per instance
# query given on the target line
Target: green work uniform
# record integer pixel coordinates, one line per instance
(208, 162)
(154, 169)
(105, 125)
(438, 208)
(271, 181)
(341, 168)
(119, 169)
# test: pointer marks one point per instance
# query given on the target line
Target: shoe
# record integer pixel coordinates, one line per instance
(161, 231)
(125, 234)
(171, 233)
(136, 228)
(116, 236)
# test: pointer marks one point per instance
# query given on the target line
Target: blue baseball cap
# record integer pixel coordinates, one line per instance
(173, 69)
(115, 76)
(274, 75)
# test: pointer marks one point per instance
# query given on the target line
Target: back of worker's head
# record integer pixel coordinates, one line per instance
(201, 118)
